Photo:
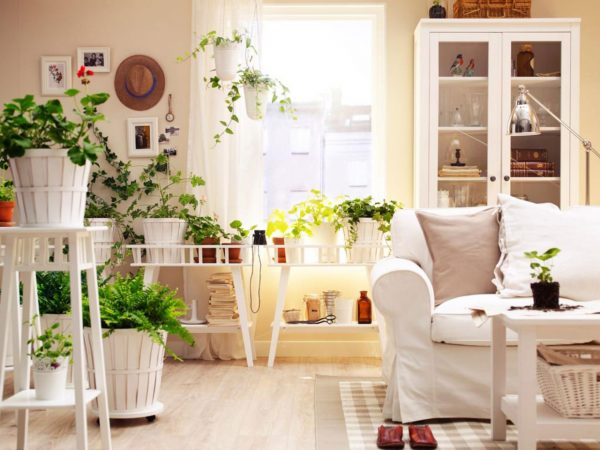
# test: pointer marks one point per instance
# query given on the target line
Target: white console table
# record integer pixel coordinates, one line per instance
(153, 257)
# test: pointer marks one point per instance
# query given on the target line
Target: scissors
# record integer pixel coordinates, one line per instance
(329, 319)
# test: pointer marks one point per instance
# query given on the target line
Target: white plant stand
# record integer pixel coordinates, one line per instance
(187, 255)
(310, 257)
(28, 250)
(533, 418)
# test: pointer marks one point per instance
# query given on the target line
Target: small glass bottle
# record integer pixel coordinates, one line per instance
(363, 308)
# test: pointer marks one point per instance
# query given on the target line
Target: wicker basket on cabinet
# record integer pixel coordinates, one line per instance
(493, 9)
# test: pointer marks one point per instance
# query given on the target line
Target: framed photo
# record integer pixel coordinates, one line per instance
(142, 133)
(94, 58)
(56, 75)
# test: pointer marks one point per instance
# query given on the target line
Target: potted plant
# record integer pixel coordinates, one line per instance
(54, 299)
(48, 153)
(50, 353)
(238, 237)
(7, 203)
(136, 320)
(205, 230)
(437, 10)
(259, 88)
(364, 223)
(290, 233)
(100, 213)
(545, 290)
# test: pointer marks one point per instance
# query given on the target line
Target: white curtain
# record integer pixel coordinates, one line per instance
(233, 169)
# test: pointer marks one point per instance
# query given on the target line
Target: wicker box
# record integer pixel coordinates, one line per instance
(493, 9)
(573, 390)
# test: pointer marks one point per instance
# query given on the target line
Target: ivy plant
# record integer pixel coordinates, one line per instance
(540, 271)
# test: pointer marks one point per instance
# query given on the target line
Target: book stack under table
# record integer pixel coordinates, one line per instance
(222, 302)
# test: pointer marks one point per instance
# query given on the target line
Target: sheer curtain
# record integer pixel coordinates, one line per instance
(233, 169)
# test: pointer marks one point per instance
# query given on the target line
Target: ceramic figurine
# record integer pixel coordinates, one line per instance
(457, 66)
(470, 70)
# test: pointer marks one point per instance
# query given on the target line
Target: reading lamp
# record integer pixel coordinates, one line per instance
(524, 122)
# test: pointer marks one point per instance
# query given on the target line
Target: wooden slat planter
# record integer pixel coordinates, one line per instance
(103, 239)
(164, 232)
(367, 248)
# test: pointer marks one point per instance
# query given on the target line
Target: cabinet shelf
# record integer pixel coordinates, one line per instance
(471, 130)
(550, 82)
(470, 82)
(534, 179)
(463, 179)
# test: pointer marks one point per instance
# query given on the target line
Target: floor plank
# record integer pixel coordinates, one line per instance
(210, 405)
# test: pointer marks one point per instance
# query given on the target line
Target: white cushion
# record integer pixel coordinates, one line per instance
(528, 226)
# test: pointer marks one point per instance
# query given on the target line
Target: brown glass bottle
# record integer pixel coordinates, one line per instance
(363, 308)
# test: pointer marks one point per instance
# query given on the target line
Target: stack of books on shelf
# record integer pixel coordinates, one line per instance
(531, 163)
(222, 304)
(459, 171)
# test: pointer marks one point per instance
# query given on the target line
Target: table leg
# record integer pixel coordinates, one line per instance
(498, 378)
(240, 296)
(283, 282)
(527, 390)
(7, 314)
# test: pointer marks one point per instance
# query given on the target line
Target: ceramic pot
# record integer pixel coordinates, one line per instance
(234, 253)
(6, 214)
(209, 255)
(256, 102)
(437, 12)
(545, 295)
(50, 381)
(227, 57)
(280, 251)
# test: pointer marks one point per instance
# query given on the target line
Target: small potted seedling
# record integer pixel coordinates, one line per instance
(50, 352)
(239, 237)
(545, 289)
(7, 203)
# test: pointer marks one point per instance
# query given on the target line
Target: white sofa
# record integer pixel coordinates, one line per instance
(436, 362)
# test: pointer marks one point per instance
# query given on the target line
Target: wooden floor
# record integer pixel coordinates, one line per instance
(211, 405)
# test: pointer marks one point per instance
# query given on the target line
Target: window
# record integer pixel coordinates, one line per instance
(331, 58)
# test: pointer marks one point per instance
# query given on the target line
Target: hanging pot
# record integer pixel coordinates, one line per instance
(256, 102)
(227, 57)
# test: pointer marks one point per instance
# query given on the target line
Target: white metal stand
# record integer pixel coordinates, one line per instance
(189, 256)
(28, 250)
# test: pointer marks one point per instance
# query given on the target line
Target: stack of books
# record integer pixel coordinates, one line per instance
(531, 163)
(459, 171)
(222, 304)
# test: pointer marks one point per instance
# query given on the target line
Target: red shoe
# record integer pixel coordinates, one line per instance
(390, 437)
(421, 437)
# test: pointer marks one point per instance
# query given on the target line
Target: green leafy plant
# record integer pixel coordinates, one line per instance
(437, 2)
(127, 303)
(49, 348)
(54, 292)
(539, 271)
(240, 232)
(7, 190)
(25, 124)
(212, 38)
(204, 227)
(350, 211)
(317, 207)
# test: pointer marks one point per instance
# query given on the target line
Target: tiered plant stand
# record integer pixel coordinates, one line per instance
(311, 256)
(28, 250)
(153, 257)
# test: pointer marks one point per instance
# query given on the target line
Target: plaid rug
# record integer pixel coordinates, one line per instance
(362, 402)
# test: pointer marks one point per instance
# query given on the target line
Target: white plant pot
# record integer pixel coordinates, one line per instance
(293, 255)
(344, 310)
(227, 58)
(50, 189)
(324, 235)
(134, 364)
(103, 239)
(256, 102)
(50, 383)
(367, 248)
(65, 326)
(164, 232)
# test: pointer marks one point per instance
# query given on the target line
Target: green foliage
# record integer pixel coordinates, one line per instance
(204, 227)
(240, 233)
(25, 124)
(212, 38)
(437, 2)
(127, 303)
(54, 292)
(50, 346)
(538, 271)
(292, 227)
(7, 190)
(317, 207)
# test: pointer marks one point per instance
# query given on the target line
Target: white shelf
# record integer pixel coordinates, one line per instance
(550, 130)
(471, 130)
(353, 327)
(536, 81)
(550, 424)
(465, 179)
(464, 81)
(213, 329)
(26, 400)
(534, 179)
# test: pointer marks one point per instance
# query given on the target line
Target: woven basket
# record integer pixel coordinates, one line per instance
(493, 9)
(573, 390)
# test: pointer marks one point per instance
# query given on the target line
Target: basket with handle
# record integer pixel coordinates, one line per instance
(569, 378)
(492, 9)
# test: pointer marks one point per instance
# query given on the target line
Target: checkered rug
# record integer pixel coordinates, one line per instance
(362, 402)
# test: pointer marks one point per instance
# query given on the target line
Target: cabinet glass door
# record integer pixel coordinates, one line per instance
(533, 166)
(461, 95)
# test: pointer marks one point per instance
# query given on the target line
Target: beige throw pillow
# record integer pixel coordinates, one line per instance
(464, 250)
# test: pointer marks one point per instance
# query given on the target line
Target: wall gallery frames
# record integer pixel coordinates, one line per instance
(94, 58)
(142, 135)
(56, 75)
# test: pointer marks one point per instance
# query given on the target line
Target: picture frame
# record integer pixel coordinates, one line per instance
(56, 75)
(142, 137)
(96, 59)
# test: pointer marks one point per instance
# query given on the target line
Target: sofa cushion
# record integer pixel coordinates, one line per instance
(528, 226)
(464, 251)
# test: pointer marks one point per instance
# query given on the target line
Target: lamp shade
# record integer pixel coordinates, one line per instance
(523, 120)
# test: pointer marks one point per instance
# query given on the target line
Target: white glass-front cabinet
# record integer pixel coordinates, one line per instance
(467, 74)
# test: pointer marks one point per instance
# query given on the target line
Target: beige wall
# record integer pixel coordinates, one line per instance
(161, 29)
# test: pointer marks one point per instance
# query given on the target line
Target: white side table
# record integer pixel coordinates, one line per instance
(28, 250)
(533, 418)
